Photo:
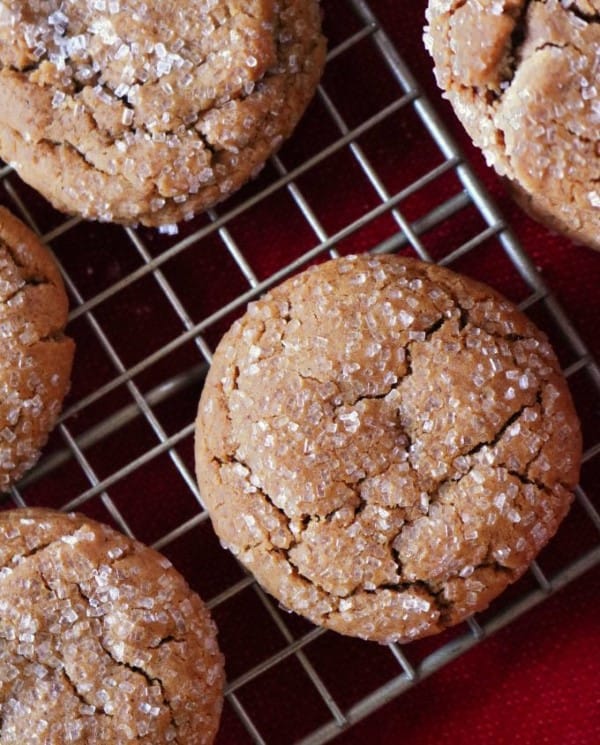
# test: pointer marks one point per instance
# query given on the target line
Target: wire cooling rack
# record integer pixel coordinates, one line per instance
(371, 167)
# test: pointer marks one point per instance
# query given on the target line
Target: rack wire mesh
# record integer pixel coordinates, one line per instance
(148, 309)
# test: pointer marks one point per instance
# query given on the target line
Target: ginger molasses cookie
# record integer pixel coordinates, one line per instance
(522, 77)
(35, 355)
(386, 445)
(101, 639)
(149, 111)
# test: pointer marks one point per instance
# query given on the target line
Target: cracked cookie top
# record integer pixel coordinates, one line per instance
(35, 355)
(101, 639)
(135, 111)
(522, 78)
(386, 445)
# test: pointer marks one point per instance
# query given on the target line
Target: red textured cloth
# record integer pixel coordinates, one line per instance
(534, 682)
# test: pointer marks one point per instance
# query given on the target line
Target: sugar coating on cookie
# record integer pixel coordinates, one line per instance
(386, 445)
(522, 78)
(101, 639)
(134, 111)
(35, 355)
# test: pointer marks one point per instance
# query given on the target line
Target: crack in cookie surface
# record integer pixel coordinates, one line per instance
(158, 110)
(528, 98)
(410, 428)
(101, 638)
(35, 354)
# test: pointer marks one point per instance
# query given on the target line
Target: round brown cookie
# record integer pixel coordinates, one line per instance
(35, 355)
(101, 639)
(136, 111)
(386, 445)
(522, 76)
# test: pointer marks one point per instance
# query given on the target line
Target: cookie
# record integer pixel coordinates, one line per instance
(35, 355)
(521, 77)
(385, 445)
(101, 639)
(148, 112)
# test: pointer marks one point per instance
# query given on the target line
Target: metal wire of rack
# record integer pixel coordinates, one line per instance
(129, 420)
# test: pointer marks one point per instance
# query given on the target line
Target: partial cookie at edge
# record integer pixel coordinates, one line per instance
(35, 355)
(115, 115)
(102, 639)
(521, 77)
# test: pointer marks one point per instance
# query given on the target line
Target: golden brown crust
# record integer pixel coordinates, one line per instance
(522, 78)
(101, 640)
(132, 111)
(386, 445)
(35, 355)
